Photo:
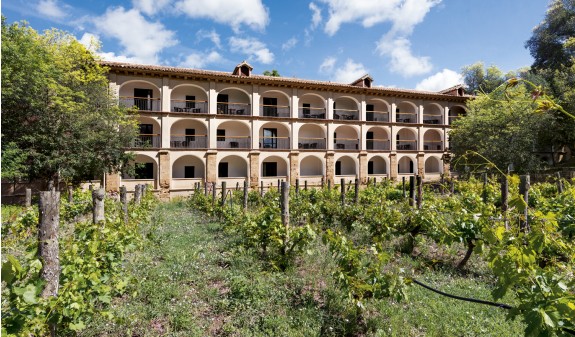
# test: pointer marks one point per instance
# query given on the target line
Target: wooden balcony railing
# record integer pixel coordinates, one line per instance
(236, 142)
(178, 141)
(187, 106)
(147, 141)
(274, 143)
(346, 144)
(406, 117)
(275, 111)
(310, 112)
(345, 114)
(225, 108)
(141, 103)
(432, 145)
(377, 144)
(432, 119)
(407, 145)
(377, 116)
(308, 143)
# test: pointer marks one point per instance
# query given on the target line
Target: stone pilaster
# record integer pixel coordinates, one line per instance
(363, 175)
(421, 165)
(211, 167)
(293, 167)
(329, 167)
(165, 174)
(254, 169)
(393, 166)
(113, 182)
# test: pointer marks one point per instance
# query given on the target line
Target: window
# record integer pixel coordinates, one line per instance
(221, 135)
(270, 140)
(369, 140)
(142, 98)
(144, 171)
(335, 137)
(270, 169)
(146, 137)
(190, 102)
(189, 171)
(146, 129)
(223, 170)
(338, 168)
(190, 135)
(369, 108)
(370, 167)
(306, 110)
(223, 100)
(270, 106)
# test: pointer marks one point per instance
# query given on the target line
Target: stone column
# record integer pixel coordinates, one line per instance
(294, 107)
(446, 159)
(165, 174)
(294, 167)
(329, 167)
(113, 181)
(166, 93)
(254, 169)
(329, 109)
(165, 132)
(211, 166)
(212, 99)
(392, 115)
(421, 165)
(363, 175)
(255, 100)
(393, 166)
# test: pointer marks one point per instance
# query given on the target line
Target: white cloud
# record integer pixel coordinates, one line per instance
(316, 15)
(402, 59)
(402, 14)
(229, 12)
(350, 72)
(289, 44)
(327, 65)
(211, 35)
(439, 81)
(92, 43)
(150, 7)
(252, 48)
(140, 38)
(51, 9)
(200, 60)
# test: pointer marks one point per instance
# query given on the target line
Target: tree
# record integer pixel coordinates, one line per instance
(59, 120)
(479, 79)
(274, 73)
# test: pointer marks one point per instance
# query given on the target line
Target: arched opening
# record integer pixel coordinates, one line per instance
(142, 167)
(311, 166)
(406, 112)
(432, 141)
(190, 134)
(274, 166)
(274, 136)
(232, 167)
(377, 110)
(432, 165)
(142, 95)
(233, 135)
(274, 104)
(346, 138)
(377, 139)
(405, 166)
(311, 106)
(432, 114)
(376, 166)
(188, 167)
(345, 166)
(149, 135)
(233, 102)
(456, 112)
(189, 99)
(311, 137)
(406, 139)
(345, 108)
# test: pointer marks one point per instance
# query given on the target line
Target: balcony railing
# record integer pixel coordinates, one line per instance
(318, 113)
(346, 144)
(407, 145)
(406, 117)
(225, 108)
(377, 144)
(141, 103)
(274, 143)
(308, 143)
(189, 141)
(432, 145)
(147, 141)
(345, 114)
(275, 111)
(377, 116)
(236, 142)
(187, 106)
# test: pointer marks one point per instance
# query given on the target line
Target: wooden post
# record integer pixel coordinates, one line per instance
(262, 188)
(138, 194)
(504, 199)
(451, 186)
(403, 184)
(70, 194)
(98, 205)
(49, 207)
(411, 191)
(28, 201)
(297, 186)
(206, 188)
(342, 191)
(245, 194)
(237, 186)
(356, 196)
(279, 186)
(285, 211)
(223, 193)
(305, 185)
(214, 192)
(559, 183)
(322, 183)
(329, 184)
(124, 202)
(419, 191)
(524, 191)
(484, 188)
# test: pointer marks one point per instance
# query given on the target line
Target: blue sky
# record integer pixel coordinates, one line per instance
(421, 44)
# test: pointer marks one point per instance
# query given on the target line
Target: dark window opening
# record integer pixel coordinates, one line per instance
(189, 171)
(270, 169)
(338, 168)
(223, 170)
(306, 110)
(270, 140)
(142, 98)
(370, 167)
(190, 135)
(190, 102)
(144, 171)
(223, 100)
(369, 140)
(270, 106)
(410, 166)
(369, 108)
(146, 129)
(221, 135)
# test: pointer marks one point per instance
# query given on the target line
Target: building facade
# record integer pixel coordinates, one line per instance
(198, 126)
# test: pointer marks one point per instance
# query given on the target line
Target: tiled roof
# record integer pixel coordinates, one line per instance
(275, 80)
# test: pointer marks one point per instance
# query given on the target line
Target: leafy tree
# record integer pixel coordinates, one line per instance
(59, 120)
(274, 73)
(479, 79)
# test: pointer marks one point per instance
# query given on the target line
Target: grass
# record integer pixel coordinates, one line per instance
(194, 280)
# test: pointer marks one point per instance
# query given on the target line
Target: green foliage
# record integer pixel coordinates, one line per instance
(480, 80)
(274, 73)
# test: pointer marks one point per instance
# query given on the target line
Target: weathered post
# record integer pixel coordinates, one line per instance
(504, 199)
(70, 194)
(124, 202)
(285, 212)
(403, 186)
(322, 183)
(305, 185)
(419, 191)
(342, 191)
(223, 193)
(329, 185)
(356, 196)
(28, 201)
(451, 186)
(245, 194)
(49, 207)
(559, 182)
(262, 188)
(214, 193)
(297, 186)
(411, 191)
(524, 191)
(206, 188)
(98, 205)
(237, 186)
(279, 185)
(137, 194)
(485, 187)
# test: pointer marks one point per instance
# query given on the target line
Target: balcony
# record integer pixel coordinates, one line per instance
(406, 145)
(345, 114)
(237, 142)
(275, 111)
(144, 141)
(141, 103)
(403, 117)
(430, 145)
(307, 143)
(242, 109)
(187, 106)
(269, 143)
(377, 144)
(377, 116)
(308, 112)
(189, 141)
(346, 144)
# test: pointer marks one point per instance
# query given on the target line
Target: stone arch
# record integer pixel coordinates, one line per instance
(181, 167)
(346, 166)
(236, 167)
(433, 165)
(274, 166)
(377, 165)
(406, 165)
